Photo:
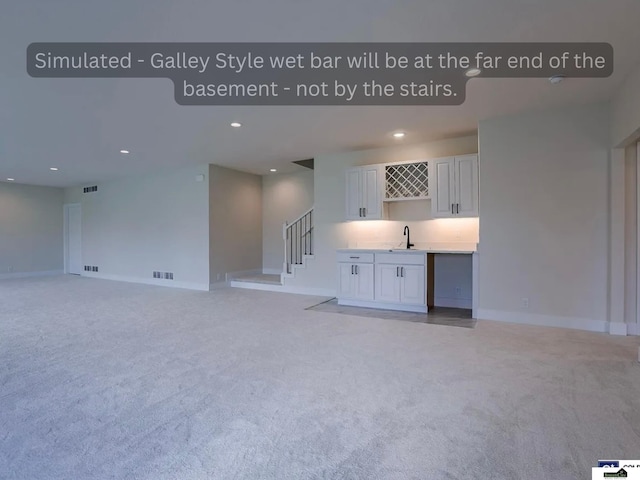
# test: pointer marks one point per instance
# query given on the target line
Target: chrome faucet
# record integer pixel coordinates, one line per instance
(406, 233)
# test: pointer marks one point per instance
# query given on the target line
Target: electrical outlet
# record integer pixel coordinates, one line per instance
(525, 303)
(458, 291)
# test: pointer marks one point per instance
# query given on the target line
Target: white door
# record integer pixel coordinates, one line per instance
(412, 287)
(466, 173)
(364, 281)
(443, 198)
(387, 284)
(371, 193)
(354, 195)
(345, 280)
(73, 239)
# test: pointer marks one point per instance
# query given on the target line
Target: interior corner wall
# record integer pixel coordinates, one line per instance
(31, 229)
(544, 217)
(332, 232)
(625, 118)
(235, 222)
(157, 222)
(284, 198)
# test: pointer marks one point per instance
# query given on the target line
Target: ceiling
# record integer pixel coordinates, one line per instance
(80, 125)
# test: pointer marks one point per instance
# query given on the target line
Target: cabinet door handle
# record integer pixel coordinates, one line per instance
(402, 271)
(457, 208)
(452, 212)
(351, 269)
(397, 271)
(356, 269)
(364, 211)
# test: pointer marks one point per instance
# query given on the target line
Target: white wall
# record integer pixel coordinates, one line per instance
(332, 232)
(159, 222)
(31, 226)
(235, 222)
(284, 198)
(625, 119)
(544, 217)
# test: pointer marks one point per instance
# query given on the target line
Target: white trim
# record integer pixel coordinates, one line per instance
(218, 285)
(632, 329)
(46, 273)
(616, 275)
(149, 281)
(474, 284)
(271, 271)
(383, 306)
(637, 322)
(544, 320)
(65, 242)
(617, 328)
(453, 302)
(268, 287)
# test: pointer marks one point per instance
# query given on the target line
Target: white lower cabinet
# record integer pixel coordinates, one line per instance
(355, 281)
(395, 281)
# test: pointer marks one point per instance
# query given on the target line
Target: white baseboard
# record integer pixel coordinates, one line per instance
(150, 281)
(452, 302)
(617, 328)
(272, 271)
(543, 320)
(633, 329)
(46, 273)
(318, 292)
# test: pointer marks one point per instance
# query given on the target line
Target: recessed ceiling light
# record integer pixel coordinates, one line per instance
(124, 151)
(273, 170)
(473, 72)
(236, 124)
(11, 179)
(555, 79)
(54, 169)
(399, 134)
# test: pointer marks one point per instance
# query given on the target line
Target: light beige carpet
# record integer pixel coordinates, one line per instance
(106, 380)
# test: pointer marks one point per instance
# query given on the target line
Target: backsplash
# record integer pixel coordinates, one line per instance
(424, 234)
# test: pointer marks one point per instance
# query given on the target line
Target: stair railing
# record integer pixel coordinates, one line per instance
(298, 240)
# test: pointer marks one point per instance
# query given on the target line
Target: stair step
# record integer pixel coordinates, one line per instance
(263, 278)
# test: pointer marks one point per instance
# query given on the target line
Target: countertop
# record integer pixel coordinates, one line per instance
(448, 248)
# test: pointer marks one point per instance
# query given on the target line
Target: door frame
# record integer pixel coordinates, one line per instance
(65, 209)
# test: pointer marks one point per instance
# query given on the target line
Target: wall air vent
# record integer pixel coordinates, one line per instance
(163, 275)
(90, 189)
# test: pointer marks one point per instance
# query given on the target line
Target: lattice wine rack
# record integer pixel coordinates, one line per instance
(407, 181)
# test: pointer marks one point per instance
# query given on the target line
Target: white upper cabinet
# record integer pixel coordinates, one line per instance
(363, 193)
(455, 186)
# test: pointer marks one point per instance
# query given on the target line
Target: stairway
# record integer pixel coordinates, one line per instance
(297, 237)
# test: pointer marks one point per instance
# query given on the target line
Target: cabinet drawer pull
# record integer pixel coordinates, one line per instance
(355, 257)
